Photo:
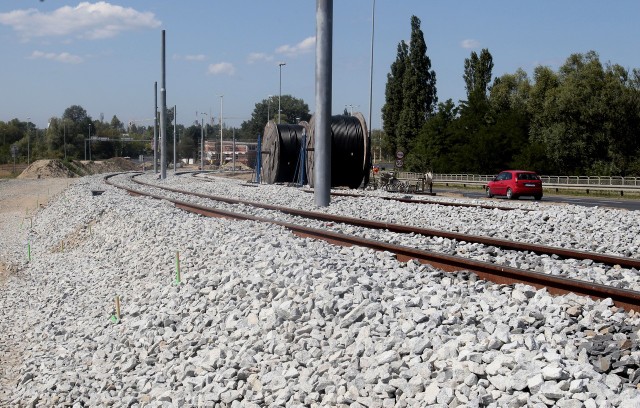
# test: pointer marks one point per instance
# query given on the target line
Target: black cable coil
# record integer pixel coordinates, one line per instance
(280, 152)
(350, 157)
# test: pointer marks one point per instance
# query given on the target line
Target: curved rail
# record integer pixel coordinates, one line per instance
(400, 228)
(626, 299)
(399, 199)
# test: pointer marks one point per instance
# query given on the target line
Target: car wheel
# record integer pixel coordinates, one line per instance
(537, 197)
(489, 195)
(510, 195)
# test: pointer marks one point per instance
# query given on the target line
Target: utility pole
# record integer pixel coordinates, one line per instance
(221, 100)
(28, 143)
(322, 144)
(202, 143)
(280, 64)
(163, 116)
(373, 21)
(175, 134)
(155, 129)
(89, 141)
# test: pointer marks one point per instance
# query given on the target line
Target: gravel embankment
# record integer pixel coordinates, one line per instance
(263, 318)
(520, 226)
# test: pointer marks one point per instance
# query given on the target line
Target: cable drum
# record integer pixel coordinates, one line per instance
(280, 152)
(350, 157)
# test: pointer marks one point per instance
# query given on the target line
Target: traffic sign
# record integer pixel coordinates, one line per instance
(399, 163)
(14, 151)
(399, 154)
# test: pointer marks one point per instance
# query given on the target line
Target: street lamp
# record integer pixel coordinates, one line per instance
(269, 107)
(202, 142)
(280, 64)
(221, 101)
(28, 142)
(351, 110)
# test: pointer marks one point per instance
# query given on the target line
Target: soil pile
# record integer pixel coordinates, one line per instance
(85, 167)
(46, 169)
(76, 168)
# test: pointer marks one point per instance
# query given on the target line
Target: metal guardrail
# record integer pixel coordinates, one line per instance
(608, 181)
(595, 183)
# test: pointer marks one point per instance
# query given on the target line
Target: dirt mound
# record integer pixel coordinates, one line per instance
(84, 167)
(46, 169)
(76, 168)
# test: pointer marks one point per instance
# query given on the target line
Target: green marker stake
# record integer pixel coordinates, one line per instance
(29, 251)
(177, 267)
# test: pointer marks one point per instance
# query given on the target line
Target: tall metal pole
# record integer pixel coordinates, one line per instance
(155, 129)
(234, 150)
(202, 145)
(221, 100)
(373, 22)
(269, 108)
(280, 64)
(163, 116)
(175, 134)
(322, 146)
(89, 141)
(64, 140)
(29, 142)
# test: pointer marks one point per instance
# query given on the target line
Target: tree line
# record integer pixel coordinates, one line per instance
(583, 118)
(76, 136)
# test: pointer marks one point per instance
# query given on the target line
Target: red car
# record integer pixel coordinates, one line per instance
(515, 183)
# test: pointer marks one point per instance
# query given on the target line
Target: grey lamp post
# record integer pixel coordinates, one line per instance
(280, 64)
(221, 122)
(89, 141)
(28, 143)
(202, 143)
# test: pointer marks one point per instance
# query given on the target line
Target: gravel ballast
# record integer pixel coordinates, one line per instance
(264, 318)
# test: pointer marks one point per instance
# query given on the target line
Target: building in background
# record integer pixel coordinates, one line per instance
(245, 153)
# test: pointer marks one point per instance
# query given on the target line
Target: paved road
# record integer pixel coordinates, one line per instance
(626, 203)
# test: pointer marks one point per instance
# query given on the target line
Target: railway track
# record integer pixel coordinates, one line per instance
(624, 298)
(198, 174)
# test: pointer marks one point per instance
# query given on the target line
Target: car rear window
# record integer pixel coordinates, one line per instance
(527, 176)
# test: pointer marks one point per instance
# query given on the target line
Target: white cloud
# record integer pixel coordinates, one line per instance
(194, 57)
(221, 68)
(197, 57)
(303, 46)
(259, 56)
(86, 20)
(470, 43)
(64, 57)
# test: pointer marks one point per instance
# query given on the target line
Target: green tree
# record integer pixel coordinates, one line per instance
(580, 114)
(418, 90)
(432, 148)
(477, 74)
(292, 108)
(77, 122)
(393, 97)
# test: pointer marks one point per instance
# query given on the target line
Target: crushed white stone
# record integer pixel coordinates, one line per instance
(262, 317)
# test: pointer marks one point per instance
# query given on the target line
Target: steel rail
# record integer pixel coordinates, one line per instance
(422, 201)
(407, 229)
(627, 299)
(399, 199)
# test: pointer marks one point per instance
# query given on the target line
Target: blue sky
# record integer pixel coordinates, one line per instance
(105, 56)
